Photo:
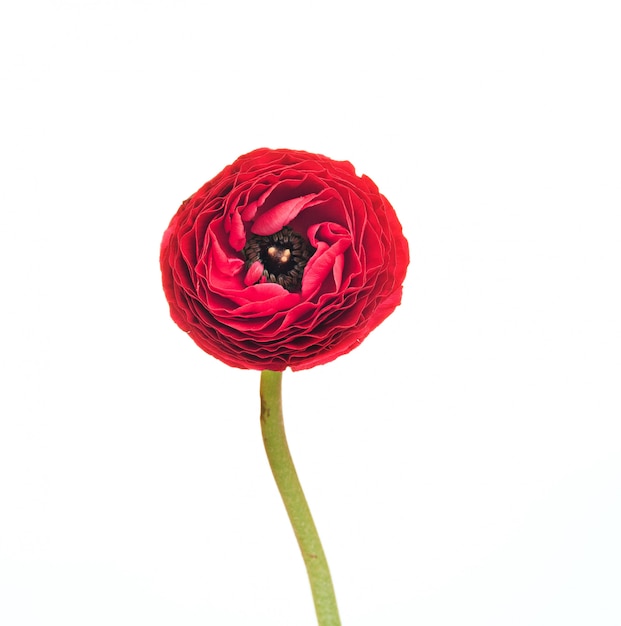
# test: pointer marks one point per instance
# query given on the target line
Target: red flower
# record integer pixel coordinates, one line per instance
(285, 258)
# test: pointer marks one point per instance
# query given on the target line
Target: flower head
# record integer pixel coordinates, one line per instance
(285, 258)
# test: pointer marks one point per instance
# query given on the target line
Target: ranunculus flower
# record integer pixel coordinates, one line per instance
(285, 258)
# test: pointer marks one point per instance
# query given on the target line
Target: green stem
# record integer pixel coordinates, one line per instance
(275, 440)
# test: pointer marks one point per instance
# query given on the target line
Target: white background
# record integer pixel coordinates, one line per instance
(463, 465)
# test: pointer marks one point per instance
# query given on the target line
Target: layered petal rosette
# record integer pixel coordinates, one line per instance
(284, 259)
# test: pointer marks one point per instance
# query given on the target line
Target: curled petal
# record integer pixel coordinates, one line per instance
(276, 218)
(255, 271)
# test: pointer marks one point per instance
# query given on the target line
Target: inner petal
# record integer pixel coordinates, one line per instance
(280, 215)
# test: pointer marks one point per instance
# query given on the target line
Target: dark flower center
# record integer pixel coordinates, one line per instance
(283, 256)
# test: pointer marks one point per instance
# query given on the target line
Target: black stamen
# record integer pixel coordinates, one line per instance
(283, 255)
